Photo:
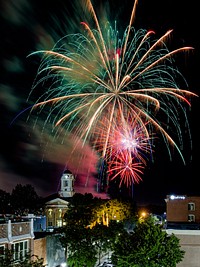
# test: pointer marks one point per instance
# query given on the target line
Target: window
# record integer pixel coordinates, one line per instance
(60, 213)
(50, 223)
(59, 223)
(50, 212)
(191, 218)
(2, 248)
(191, 206)
(20, 250)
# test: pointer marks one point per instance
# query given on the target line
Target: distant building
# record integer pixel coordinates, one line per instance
(39, 222)
(56, 205)
(183, 211)
(67, 185)
(35, 234)
(55, 210)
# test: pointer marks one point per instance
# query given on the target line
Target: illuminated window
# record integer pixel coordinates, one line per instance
(50, 212)
(60, 213)
(191, 206)
(191, 218)
(59, 223)
(20, 250)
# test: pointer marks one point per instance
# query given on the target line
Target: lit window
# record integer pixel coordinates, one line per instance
(60, 213)
(50, 212)
(59, 223)
(191, 206)
(20, 250)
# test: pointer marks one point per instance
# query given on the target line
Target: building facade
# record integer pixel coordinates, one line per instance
(55, 210)
(67, 184)
(49, 247)
(57, 204)
(190, 242)
(18, 236)
(183, 209)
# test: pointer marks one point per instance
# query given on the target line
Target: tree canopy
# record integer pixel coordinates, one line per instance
(94, 228)
(22, 200)
(148, 246)
(7, 260)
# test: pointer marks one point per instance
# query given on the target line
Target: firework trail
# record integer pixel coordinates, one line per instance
(103, 86)
(125, 135)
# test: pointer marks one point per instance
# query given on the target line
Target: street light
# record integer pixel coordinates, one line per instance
(143, 215)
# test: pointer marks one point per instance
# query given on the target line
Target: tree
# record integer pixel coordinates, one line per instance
(24, 199)
(84, 244)
(113, 209)
(81, 209)
(77, 240)
(7, 260)
(147, 246)
(76, 235)
(86, 236)
(103, 237)
(83, 255)
(5, 200)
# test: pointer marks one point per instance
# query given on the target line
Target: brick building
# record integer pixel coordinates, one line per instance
(18, 236)
(183, 209)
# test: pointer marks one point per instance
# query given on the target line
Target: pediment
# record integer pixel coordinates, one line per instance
(57, 201)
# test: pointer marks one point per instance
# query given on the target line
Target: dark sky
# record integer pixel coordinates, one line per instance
(30, 154)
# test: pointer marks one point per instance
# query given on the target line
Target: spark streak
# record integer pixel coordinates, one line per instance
(104, 84)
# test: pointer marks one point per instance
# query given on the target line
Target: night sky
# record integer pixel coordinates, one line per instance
(30, 154)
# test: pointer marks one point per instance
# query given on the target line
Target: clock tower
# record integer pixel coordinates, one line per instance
(67, 184)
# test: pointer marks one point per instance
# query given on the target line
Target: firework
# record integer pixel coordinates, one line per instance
(126, 135)
(103, 86)
(127, 167)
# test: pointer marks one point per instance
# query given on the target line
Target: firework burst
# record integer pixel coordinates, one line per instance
(105, 88)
